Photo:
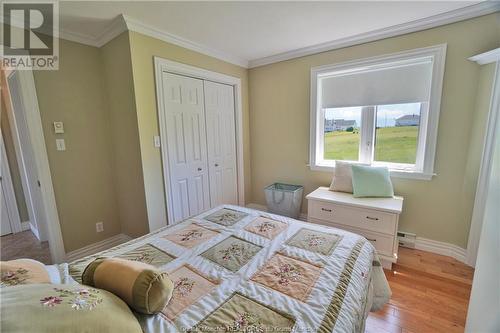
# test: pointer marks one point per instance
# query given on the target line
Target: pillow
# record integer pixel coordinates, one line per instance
(47, 308)
(342, 177)
(370, 181)
(144, 288)
(23, 271)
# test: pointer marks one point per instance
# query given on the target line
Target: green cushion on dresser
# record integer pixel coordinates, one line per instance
(370, 181)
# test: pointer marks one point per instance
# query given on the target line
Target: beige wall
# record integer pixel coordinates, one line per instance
(126, 154)
(143, 49)
(439, 209)
(83, 174)
(12, 160)
(112, 172)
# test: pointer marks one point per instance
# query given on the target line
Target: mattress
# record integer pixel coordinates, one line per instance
(238, 269)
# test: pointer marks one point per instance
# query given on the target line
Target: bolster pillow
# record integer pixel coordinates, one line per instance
(144, 288)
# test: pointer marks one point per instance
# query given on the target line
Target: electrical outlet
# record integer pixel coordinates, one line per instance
(99, 227)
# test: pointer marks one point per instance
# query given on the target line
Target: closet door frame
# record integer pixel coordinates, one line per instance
(163, 65)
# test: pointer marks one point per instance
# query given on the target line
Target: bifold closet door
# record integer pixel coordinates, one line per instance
(186, 145)
(221, 143)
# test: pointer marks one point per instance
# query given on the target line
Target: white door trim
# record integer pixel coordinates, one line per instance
(487, 157)
(37, 140)
(8, 192)
(164, 65)
(18, 127)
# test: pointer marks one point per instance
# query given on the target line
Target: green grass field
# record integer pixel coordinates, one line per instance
(393, 144)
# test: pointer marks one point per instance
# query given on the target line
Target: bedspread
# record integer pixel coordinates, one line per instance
(238, 269)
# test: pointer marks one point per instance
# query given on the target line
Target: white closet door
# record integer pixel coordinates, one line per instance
(221, 142)
(187, 149)
(5, 224)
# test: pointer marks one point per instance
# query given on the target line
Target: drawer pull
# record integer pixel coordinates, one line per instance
(326, 210)
(372, 239)
(372, 218)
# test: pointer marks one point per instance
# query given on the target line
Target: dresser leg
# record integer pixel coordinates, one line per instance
(386, 264)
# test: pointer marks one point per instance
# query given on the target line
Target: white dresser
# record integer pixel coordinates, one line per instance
(374, 218)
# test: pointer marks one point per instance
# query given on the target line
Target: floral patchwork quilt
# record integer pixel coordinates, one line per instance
(243, 270)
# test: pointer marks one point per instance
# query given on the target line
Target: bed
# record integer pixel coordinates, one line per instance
(238, 269)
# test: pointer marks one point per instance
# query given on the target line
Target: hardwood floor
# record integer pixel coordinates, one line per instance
(24, 245)
(430, 293)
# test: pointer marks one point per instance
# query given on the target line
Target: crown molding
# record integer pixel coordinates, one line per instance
(487, 57)
(137, 26)
(480, 9)
(78, 37)
(123, 23)
(114, 29)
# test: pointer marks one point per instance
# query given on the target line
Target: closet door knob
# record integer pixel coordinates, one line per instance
(199, 169)
(216, 165)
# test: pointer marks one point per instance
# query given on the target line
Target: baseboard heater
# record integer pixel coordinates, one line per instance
(406, 239)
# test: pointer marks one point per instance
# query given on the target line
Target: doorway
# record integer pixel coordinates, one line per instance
(27, 188)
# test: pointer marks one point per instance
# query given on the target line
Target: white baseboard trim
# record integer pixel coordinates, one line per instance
(34, 231)
(302, 217)
(446, 249)
(96, 247)
(25, 225)
(424, 244)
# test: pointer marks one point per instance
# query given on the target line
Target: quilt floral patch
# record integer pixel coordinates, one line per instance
(290, 276)
(266, 227)
(232, 253)
(242, 314)
(191, 236)
(315, 241)
(14, 277)
(78, 299)
(226, 217)
(22, 271)
(189, 286)
(148, 254)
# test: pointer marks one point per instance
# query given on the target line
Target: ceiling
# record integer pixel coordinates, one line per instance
(250, 31)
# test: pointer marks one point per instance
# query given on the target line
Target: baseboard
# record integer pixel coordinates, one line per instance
(302, 217)
(446, 249)
(97, 247)
(424, 244)
(34, 231)
(25, 225)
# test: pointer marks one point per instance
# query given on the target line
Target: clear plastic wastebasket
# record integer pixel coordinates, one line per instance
(284, 199)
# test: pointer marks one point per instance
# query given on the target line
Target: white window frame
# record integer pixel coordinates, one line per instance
(429, 117)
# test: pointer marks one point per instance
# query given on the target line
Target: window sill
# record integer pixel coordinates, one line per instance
(396, 173)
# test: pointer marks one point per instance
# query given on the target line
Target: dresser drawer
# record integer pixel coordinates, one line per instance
(367, 219)
(384, 244)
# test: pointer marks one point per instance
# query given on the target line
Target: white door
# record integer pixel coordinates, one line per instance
(221, 142)
(27, 164)
(5, 227)
(6, 222)
(186, 146)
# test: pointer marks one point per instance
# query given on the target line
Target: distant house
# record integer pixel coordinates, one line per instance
(408, 120)
(338, 124)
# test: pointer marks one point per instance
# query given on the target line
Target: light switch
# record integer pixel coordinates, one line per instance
(58, 127)
(157, 141)
(60, 144)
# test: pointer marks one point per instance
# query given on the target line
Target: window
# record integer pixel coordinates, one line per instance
(379, 111)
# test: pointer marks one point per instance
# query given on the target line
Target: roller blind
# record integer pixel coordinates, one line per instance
(390, 84)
